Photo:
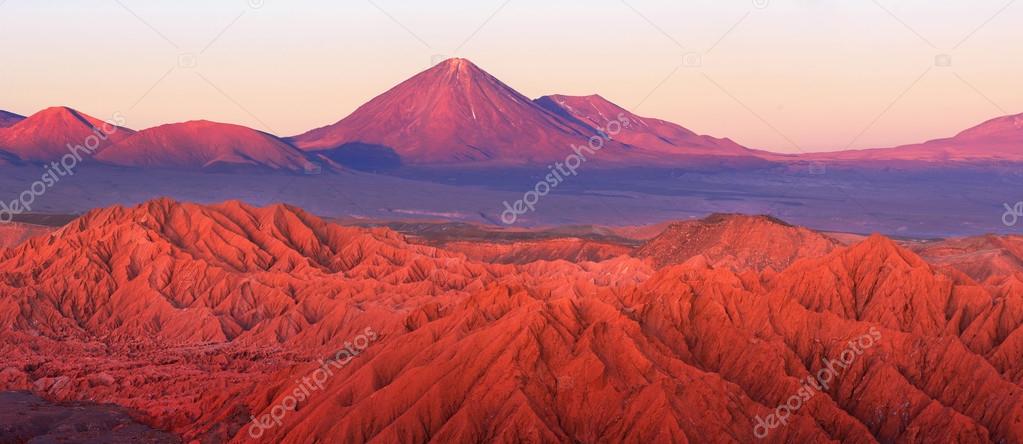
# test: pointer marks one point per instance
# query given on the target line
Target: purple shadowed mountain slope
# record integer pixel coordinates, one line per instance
(8, 118)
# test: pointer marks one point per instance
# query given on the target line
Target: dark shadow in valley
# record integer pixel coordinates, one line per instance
(27, 418)
(363, 157)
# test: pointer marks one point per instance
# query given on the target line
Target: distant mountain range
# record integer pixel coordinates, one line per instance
(205, 145)
(451, 115)
(999, 139)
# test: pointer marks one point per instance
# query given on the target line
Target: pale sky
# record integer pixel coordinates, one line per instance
(794, 75)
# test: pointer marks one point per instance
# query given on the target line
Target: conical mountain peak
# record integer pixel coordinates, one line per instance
(458, 64)
(48, 134)
(454, 112)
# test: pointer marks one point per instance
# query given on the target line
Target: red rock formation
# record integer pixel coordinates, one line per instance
(203, 318)
(12, 234)
(982, 257)
(737, 242)
(567, 249)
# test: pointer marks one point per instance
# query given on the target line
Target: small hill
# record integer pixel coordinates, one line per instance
(738, 242)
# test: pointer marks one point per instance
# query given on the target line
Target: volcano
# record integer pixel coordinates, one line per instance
(456, 113)
(51, 133)
(205, 145)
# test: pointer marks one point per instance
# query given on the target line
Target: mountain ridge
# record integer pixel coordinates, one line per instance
(202, 144)
(663, 136)
(456, 114)
(994, 140)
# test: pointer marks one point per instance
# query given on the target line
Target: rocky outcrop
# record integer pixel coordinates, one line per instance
(235, 323)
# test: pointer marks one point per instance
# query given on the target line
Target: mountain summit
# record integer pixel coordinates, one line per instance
(45, 135)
